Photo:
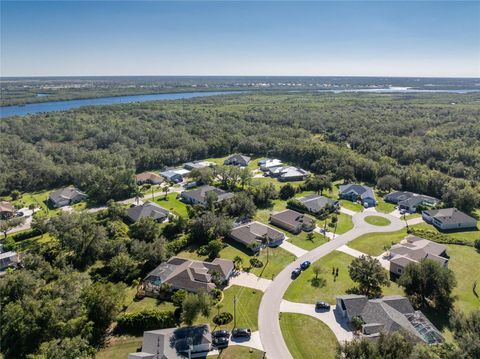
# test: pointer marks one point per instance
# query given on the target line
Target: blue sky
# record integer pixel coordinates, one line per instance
(362, 38)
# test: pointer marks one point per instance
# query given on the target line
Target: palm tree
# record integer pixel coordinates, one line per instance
(238, 261)
(266, 240)
(138, 194)
(165, 188)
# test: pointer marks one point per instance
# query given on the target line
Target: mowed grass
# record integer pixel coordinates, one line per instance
(353, 206)
(344, 223)
(383, 206)
(238, 352)
(301, 240)
(469, 235)
(173, 204)
(120, 347)
(377, 221)
(144, 303)
(302, 289)
(307, 337)
(374, 243)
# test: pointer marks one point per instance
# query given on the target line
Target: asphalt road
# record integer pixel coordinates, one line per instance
(268, 314)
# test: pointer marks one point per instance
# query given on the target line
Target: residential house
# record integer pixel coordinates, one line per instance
(358, 193)
(388, 314)
(289, 174)
(413, 249)
(315, 203)
(175, 175)
(148, 177)
(6, 210)
(174, 343)
(198, 165)
(268, 163)
(66, 196)
(237, 160)
(254, 235)
(9, 260)
(292, 221)
(148, 209)
(198, 196)
(190, 275)
(409, 201)
(449, 218)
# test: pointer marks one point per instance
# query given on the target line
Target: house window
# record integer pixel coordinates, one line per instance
(399, 270)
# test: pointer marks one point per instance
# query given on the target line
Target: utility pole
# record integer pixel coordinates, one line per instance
(234, 311)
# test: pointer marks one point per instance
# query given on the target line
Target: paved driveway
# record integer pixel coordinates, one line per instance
(249, 280)
(292, 248)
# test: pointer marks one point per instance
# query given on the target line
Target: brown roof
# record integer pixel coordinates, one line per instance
(6, 207)
(254, 231)
(292, 218)
(148, 176)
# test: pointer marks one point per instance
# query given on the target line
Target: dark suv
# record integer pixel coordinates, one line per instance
(322, 306)
(220, 342)
(220, 334)
(241, 332)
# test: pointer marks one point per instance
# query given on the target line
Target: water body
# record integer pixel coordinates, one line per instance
(7, 111)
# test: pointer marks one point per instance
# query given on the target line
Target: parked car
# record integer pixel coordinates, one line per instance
(241, 332)
(322, 306)
(20, 214)
(402, 211)
(220, 342)
(296, 272)
(305, 265)
(221, 334)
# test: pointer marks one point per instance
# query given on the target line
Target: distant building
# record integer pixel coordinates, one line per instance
(66, 197)
(198, 165)
(237, 160)
(198, 196)
(174, 343)
(255, 232)
(148, 177)
(268, 163)
(190, 275)
(413, 249)
(358, 193)
(148, 209)
(449, 218)
(315, 203)
(175, 174)
(9, 260)
(388, 314)
(409, 201)
(292, 221)
(287, 174)
(7, 210)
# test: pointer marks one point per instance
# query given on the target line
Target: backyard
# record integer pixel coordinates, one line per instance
(119, 347)
(172, 204)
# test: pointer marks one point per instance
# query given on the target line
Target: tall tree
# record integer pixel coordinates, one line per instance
(370, 276)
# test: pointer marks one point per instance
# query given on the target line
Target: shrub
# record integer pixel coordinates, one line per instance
(439, 237)
(138, 322)
(173, 247)
(256, 263)
(223, 318)
(216, 294)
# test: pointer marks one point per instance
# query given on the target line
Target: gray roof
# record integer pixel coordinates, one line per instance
(315, 202)
(450, 216)
(200, 194)
(354, 303)
(410, 199)
(148, 209)
(237, 158)
(360, 190)
(292, 218)
(254, 232)
(67, 193)
(414, 249)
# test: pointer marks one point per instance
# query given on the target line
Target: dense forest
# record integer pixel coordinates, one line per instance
(429, 142)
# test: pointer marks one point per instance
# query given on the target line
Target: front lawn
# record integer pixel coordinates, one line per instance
(383, 206)
(301, 240)
(374, 243)
(173, 204)
(39, 199)
(344, 223)
(120, 347)
(303, 289)
(238, 352)
(377, 221)
(307, 337)
(353, 206)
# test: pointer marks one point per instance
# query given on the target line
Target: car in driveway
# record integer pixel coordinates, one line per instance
(20, 214)
(220, 342)
(296, 272)
(241, 332)
(320, 305)
(305, 265)
(220, 334)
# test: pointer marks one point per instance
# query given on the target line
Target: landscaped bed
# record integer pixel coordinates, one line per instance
(307, 337)
(377, 221)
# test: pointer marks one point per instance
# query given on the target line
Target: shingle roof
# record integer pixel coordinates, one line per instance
(292, 218)
(148, 176)
(409, 198)
(362, 191)
(315, 202)
(6, 207)
(254, 232)
(200, 194)
(414, 249)
(236, 158)
(148, 209)
(67, 193)
(449, 215)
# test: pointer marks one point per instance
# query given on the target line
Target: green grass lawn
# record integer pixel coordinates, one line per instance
(263, 214)
(307, 337)
(302, 290)
(353, 206)
(39, 199)
(469, 236)
(377, 221)
(120, 347)
(173, 204)
(31, 244)
(301, 240)
(374, 243)
(412, 215)
(344, 223)
(238, 352)
(383, 206)
(145, 303)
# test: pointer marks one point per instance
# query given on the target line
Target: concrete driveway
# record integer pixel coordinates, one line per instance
(249, 280)
(27, 215)
(292, 248)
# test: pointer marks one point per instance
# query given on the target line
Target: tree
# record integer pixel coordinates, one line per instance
(287, 191)
(318, 183)
(241, 205)
(213, 248)
(430, 284)
(145, 229)
(310, 236)
(165, 189)
(238, 261)
(40, 223)
(388, 182)
(67, 348)
(207, 226)
(357, 323)
(466, 331)
(369, 274)
(115, 211)
(357, 349)
(178, 297)
(8, 224)
(263, 195)
(193, 305)
(202, 175)
(123, 268)
(317, 270)
(138, 194)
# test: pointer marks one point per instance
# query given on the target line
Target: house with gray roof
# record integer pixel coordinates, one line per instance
(237, 160)
(254, 234)
(175, 343)
(268, 163)
(66, 197)
(449, 219)
(315, 203)
(187, 274)
(413, 249)
(358, 193)
(292, 221)
(197, 165)
(409, 201)
(9, 259)
(174, 174)
(198, 196)
(388, 314)
(148, 209)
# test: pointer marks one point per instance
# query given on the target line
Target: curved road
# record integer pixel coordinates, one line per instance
(268, 314)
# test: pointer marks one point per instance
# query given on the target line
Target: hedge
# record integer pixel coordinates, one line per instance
(149, 319)
(439, 237)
